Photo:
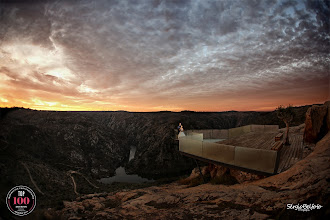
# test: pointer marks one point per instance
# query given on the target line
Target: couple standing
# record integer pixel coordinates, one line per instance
(180, 131)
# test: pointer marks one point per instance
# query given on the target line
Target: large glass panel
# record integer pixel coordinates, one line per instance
(191, 146)
(234, 132)
(258, 128)
(196, 136)
(220, 133)
(219, 152)
(255, 159)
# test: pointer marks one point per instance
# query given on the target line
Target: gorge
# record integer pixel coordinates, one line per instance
(95, 144)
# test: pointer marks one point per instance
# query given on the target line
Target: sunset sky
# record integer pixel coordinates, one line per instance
(164, 55)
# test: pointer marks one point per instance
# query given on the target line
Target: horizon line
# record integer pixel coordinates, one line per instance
(161, 111)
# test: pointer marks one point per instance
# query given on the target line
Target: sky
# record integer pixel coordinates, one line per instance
(156, 55)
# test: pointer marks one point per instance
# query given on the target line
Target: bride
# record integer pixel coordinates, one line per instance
(181, 134)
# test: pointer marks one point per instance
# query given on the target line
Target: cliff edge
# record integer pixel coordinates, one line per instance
(307, 182)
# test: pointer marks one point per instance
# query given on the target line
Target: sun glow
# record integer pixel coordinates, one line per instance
(29, 58)
(3, 100)
(85, 89)
(61, 73)
(27, 53)
(43, 103)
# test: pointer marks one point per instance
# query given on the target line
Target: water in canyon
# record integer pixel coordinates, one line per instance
(122, 177)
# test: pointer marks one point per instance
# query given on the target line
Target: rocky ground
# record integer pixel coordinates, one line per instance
(307, 182)
(48, 148)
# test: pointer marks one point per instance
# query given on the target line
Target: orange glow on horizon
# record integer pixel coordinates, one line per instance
(38, 104)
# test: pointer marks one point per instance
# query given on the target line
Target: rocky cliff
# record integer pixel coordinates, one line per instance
(46, 146)
(301, 192)
(99, 142)
(317, 122)
(307, 182)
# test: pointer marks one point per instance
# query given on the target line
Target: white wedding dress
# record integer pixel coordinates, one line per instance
(181, 134)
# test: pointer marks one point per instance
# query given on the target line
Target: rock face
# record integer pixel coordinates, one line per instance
(317, 122)
(307, 182)
(218, 175)
(64, 139)
(328, 117)
(51, 144)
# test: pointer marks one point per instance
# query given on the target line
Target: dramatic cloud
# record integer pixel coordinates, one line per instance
(164, 55)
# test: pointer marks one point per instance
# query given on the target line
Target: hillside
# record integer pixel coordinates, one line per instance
(50, 144)
(307, 182)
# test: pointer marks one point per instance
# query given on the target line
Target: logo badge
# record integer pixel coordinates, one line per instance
(21, 200)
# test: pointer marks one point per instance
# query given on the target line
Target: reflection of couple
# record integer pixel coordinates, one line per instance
(180, 130)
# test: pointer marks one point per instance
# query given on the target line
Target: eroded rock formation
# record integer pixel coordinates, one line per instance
(307, 182)
(317, 122)
(51, 144)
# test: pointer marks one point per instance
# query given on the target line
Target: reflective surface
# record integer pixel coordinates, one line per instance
(250, 158)
(122, 177)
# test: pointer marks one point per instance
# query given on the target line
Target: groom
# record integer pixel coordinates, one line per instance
(179, 127)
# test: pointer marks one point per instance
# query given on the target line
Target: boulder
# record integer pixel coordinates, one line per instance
(217, 171)
(317, 123)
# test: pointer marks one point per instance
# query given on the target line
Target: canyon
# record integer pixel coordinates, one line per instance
(48, 147)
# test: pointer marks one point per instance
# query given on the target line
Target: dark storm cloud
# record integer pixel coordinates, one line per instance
(176, 49)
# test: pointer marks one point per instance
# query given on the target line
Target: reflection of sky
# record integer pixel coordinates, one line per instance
(122, 177)
(163, 55)
(132, 153)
